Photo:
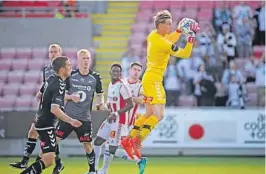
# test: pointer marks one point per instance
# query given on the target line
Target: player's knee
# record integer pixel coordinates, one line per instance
(48, 159)
(112, 149)
(87, 147)
(33, 133)
(98, 141)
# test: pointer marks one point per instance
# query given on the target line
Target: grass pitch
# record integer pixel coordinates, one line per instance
(161, 165)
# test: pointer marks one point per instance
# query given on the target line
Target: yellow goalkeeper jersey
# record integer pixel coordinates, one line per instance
(159, 49)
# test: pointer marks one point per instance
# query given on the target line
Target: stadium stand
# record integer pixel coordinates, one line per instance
(40, 9)
(20, 74)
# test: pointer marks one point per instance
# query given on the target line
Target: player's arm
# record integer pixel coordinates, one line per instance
(99, 98)
(124, 91)
(129, 105)
(68, 96)
(139, 98)
(183, 52)
(39, 93)
(174, 36)
(57, 101)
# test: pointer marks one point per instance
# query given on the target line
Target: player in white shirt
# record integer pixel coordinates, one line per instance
(135, 88)
(119, 102)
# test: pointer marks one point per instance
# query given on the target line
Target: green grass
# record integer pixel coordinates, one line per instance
(162, 165)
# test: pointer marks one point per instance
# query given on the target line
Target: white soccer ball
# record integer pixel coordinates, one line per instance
(184, 26)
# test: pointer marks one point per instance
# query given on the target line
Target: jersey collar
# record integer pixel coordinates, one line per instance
(132, 82)
(82, 74)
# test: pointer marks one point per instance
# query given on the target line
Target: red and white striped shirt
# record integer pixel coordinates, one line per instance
(117, 95)
(135, 90)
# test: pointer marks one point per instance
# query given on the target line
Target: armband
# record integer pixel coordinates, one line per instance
(174, 47)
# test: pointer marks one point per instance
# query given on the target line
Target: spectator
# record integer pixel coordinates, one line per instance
(196, 58)
(244, 35)
(226, 43)
(260, 81)
(260, 29)
(186, 74)
(222, 15)
(236, 93)
(206, 45)
(172, 83)
(1, 3)
(250, 70)
(69, 8)
(143, 59)
(242, 12)
(232, 71)
(130, 57)
(204, 87)
(242, 15)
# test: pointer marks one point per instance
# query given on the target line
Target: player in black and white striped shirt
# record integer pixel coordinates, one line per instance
(51, 107)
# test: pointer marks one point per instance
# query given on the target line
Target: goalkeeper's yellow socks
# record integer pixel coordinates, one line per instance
(137, 126)
(148, 126)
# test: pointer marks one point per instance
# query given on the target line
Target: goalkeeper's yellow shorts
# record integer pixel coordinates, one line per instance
(153, 90)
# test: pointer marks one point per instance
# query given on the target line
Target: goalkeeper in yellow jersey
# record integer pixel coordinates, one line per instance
(160, 45)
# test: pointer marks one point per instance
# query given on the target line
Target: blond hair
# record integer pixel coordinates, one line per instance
(85, 51)
(56, 46)
(161, 17)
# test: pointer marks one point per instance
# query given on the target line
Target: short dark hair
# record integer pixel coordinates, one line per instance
(59, 62)
(135, 63)
(117, 65)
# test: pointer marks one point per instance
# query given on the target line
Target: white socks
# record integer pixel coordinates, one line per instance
(107, 160)
(97, 150)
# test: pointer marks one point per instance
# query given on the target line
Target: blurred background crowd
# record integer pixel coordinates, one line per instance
(226, 68)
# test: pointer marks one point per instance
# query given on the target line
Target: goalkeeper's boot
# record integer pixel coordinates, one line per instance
(136, 145)
(19, 165)
(125, 143)
(142, 165)
(58, 168)
(91, 173)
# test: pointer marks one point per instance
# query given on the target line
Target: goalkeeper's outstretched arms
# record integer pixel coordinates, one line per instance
(174, 36)
(186, 52)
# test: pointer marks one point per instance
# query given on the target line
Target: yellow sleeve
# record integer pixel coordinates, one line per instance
(166, 45)
(173, 37)
(183, 53)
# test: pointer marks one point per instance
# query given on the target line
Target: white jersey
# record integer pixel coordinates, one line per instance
(116, 100)
(135, 90)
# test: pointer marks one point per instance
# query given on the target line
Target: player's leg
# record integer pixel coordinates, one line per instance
(114, 142)
(29, 147)
(102, 136)
(153, 120)
(48, 146)
(148, 126)
(126, 144)
(157, 106)
(63, 130)
(84, 134)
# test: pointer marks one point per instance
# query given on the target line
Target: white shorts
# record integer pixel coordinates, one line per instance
(112, 132)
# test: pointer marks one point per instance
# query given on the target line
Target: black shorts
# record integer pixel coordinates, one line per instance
(48, 139)
(84, 132)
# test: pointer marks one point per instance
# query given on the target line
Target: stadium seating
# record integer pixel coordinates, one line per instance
(35, 9)
(20, 75)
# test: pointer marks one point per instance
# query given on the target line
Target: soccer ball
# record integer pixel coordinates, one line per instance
(184, 25)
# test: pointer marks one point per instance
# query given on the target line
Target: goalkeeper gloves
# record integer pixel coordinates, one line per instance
(194, 27)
